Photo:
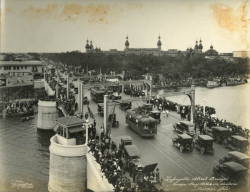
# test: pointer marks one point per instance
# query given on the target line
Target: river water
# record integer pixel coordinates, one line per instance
(24, 154)
(231, 103)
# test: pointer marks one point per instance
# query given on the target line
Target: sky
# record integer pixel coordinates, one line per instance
(65, 25)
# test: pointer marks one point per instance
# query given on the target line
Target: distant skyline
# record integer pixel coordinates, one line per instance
(65, 25)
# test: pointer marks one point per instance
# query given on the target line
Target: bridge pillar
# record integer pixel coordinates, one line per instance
(47, 115)
(68, 166)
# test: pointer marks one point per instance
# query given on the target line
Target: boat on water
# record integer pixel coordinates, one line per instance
(213, 84)
(233, 81)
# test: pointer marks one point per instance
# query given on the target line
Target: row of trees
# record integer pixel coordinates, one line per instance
(181, 66)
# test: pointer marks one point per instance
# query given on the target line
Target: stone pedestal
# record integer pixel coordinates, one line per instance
(68, 166)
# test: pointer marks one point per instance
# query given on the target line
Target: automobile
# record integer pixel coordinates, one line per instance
(183, 142)
(221, 134)
(85, 101)
(112, 119)
(238, 143)
(185, 127)
(125, 140)
(100, 109)
(147, 107)
(231, 171)
(156, 115)
(125, 105)
(204, 143)
(238, 157)
(132, 156)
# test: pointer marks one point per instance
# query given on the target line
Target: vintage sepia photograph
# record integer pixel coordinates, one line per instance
(124, 96)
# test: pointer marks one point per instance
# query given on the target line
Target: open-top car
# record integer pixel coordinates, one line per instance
(100, 109)
(184, 127)
(238, 143)
(221, 134)
(125, 104)
(125, 140)
(183, 142)
(112, 119)
(85, 101)
(132, 155)
(114, 96)
(231, 172)
(238, 157)
(204, 143)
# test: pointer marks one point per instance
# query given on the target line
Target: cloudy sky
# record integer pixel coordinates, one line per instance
(65, 25)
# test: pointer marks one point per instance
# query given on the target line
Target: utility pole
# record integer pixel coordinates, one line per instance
(105, 111)
(67, 86)
(192, 98)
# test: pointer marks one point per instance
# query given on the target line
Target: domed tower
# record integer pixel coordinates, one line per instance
(159, 43)
(87, 46)
(126, 43)
(196, 47)
(200, 46)
(91, 46)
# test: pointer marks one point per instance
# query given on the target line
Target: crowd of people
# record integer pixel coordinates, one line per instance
(203, 118)
(20, 108)
(117, 167)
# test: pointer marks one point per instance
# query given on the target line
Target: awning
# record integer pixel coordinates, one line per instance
(149, 168)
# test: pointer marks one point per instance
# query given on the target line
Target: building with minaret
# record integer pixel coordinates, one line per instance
(198, 47)
(159, 42)
(126, 44)
(144, 51)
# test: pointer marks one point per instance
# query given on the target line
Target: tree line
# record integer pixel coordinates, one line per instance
(195, 66)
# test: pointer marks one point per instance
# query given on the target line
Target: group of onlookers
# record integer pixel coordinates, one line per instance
(20, 107)
(117, 167)
(204, 117)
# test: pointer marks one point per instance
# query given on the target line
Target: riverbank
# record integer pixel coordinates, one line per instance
(231, 103)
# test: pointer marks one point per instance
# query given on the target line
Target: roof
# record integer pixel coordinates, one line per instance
(142, 49)
(220, 128)
(132, 150)
(125, 101)
(155, 111)
(235, 167)
(16, 63)
(239, 155)
(186, 122)
(98, 90)
(143, 118)
(185, 136)
(206, 137)
(240, 138)
(70, 121)
(126, 137)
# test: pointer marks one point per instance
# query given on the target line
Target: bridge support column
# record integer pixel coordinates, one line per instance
(47, 115)
(68, 166)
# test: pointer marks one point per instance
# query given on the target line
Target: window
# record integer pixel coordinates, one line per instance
(17, 67)
(25, 67)
(14, 67)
